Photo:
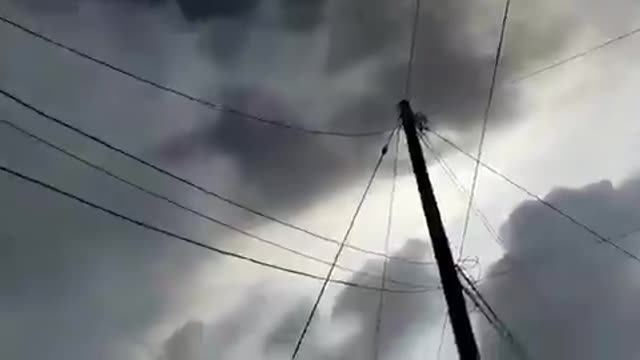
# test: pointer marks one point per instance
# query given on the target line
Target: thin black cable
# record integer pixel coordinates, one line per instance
(495, 236)
(188, 209)
(500, 326)
(576, 56)
(442, 333)
(342, 245)
(412, 49)
(214, 106)
(477, 293)
(485, 122)
(190, 183)
(495, 325)
(600, 237)
(464, 192)
(624, 235)
(185, 239)
(387, 238)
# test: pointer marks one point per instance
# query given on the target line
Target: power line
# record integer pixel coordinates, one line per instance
(342, 245)
(580, 224)
(214, 106)
(462, 190)
(387, 238)
(188, 209)
(412, 48)
(576, 56)
(190, 183)
(185, 239)
(485, 122)
(442, 334)
(507, 271)
(624, 235)
(495, 236)
(492, 317)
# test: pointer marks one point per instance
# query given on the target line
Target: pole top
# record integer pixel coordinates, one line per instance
(404, 103)
(404, 108)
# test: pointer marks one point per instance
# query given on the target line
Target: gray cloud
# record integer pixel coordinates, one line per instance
(185, 343)
(452, 70)
(82, 286)
(404, 315)
(563, 295)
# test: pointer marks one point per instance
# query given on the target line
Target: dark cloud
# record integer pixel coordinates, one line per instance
(451, 77)
(302, 15)
(81, 286)
(265, 156)
(561, 293)
(403, 315)
(282, 338)
(185, 343)
(196, 10)
(360, 29)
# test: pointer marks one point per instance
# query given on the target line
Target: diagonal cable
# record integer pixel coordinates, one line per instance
(387, 238)
(187, 182)
(576, 56)
(342, 245)
(190, 210)
(412, 49)
(600, 238)
(170, 234)
(485, 121)
(476, 296)
(214, 106)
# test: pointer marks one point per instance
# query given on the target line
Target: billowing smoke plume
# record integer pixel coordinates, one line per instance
(76, 285)
(562, 293)
(353, 316)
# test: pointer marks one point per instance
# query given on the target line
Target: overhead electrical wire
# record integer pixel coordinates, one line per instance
(170, 234)
(495, 236)
(223, 108)
(576, 56)
(412, 49)
(345, 238)
(494, 324)
(624, 235)
(387, 238)
(464, 192)
(492, 317)
(190, 183)
(485, 122)
(597, 235)
(190, 210)
(443, 331)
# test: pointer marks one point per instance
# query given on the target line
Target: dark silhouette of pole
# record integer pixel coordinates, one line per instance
(458, 315)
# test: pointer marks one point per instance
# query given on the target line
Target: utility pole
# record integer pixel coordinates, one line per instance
(458, 315)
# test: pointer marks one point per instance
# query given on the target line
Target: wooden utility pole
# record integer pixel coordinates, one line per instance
(458, 315)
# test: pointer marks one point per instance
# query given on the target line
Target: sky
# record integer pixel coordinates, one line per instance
(75, 283)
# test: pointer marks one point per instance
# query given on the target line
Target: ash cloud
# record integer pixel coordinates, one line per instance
(81, 286)
(563, 295)
(353, 314)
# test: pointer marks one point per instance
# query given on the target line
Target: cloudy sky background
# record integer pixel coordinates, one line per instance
(76, 284)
